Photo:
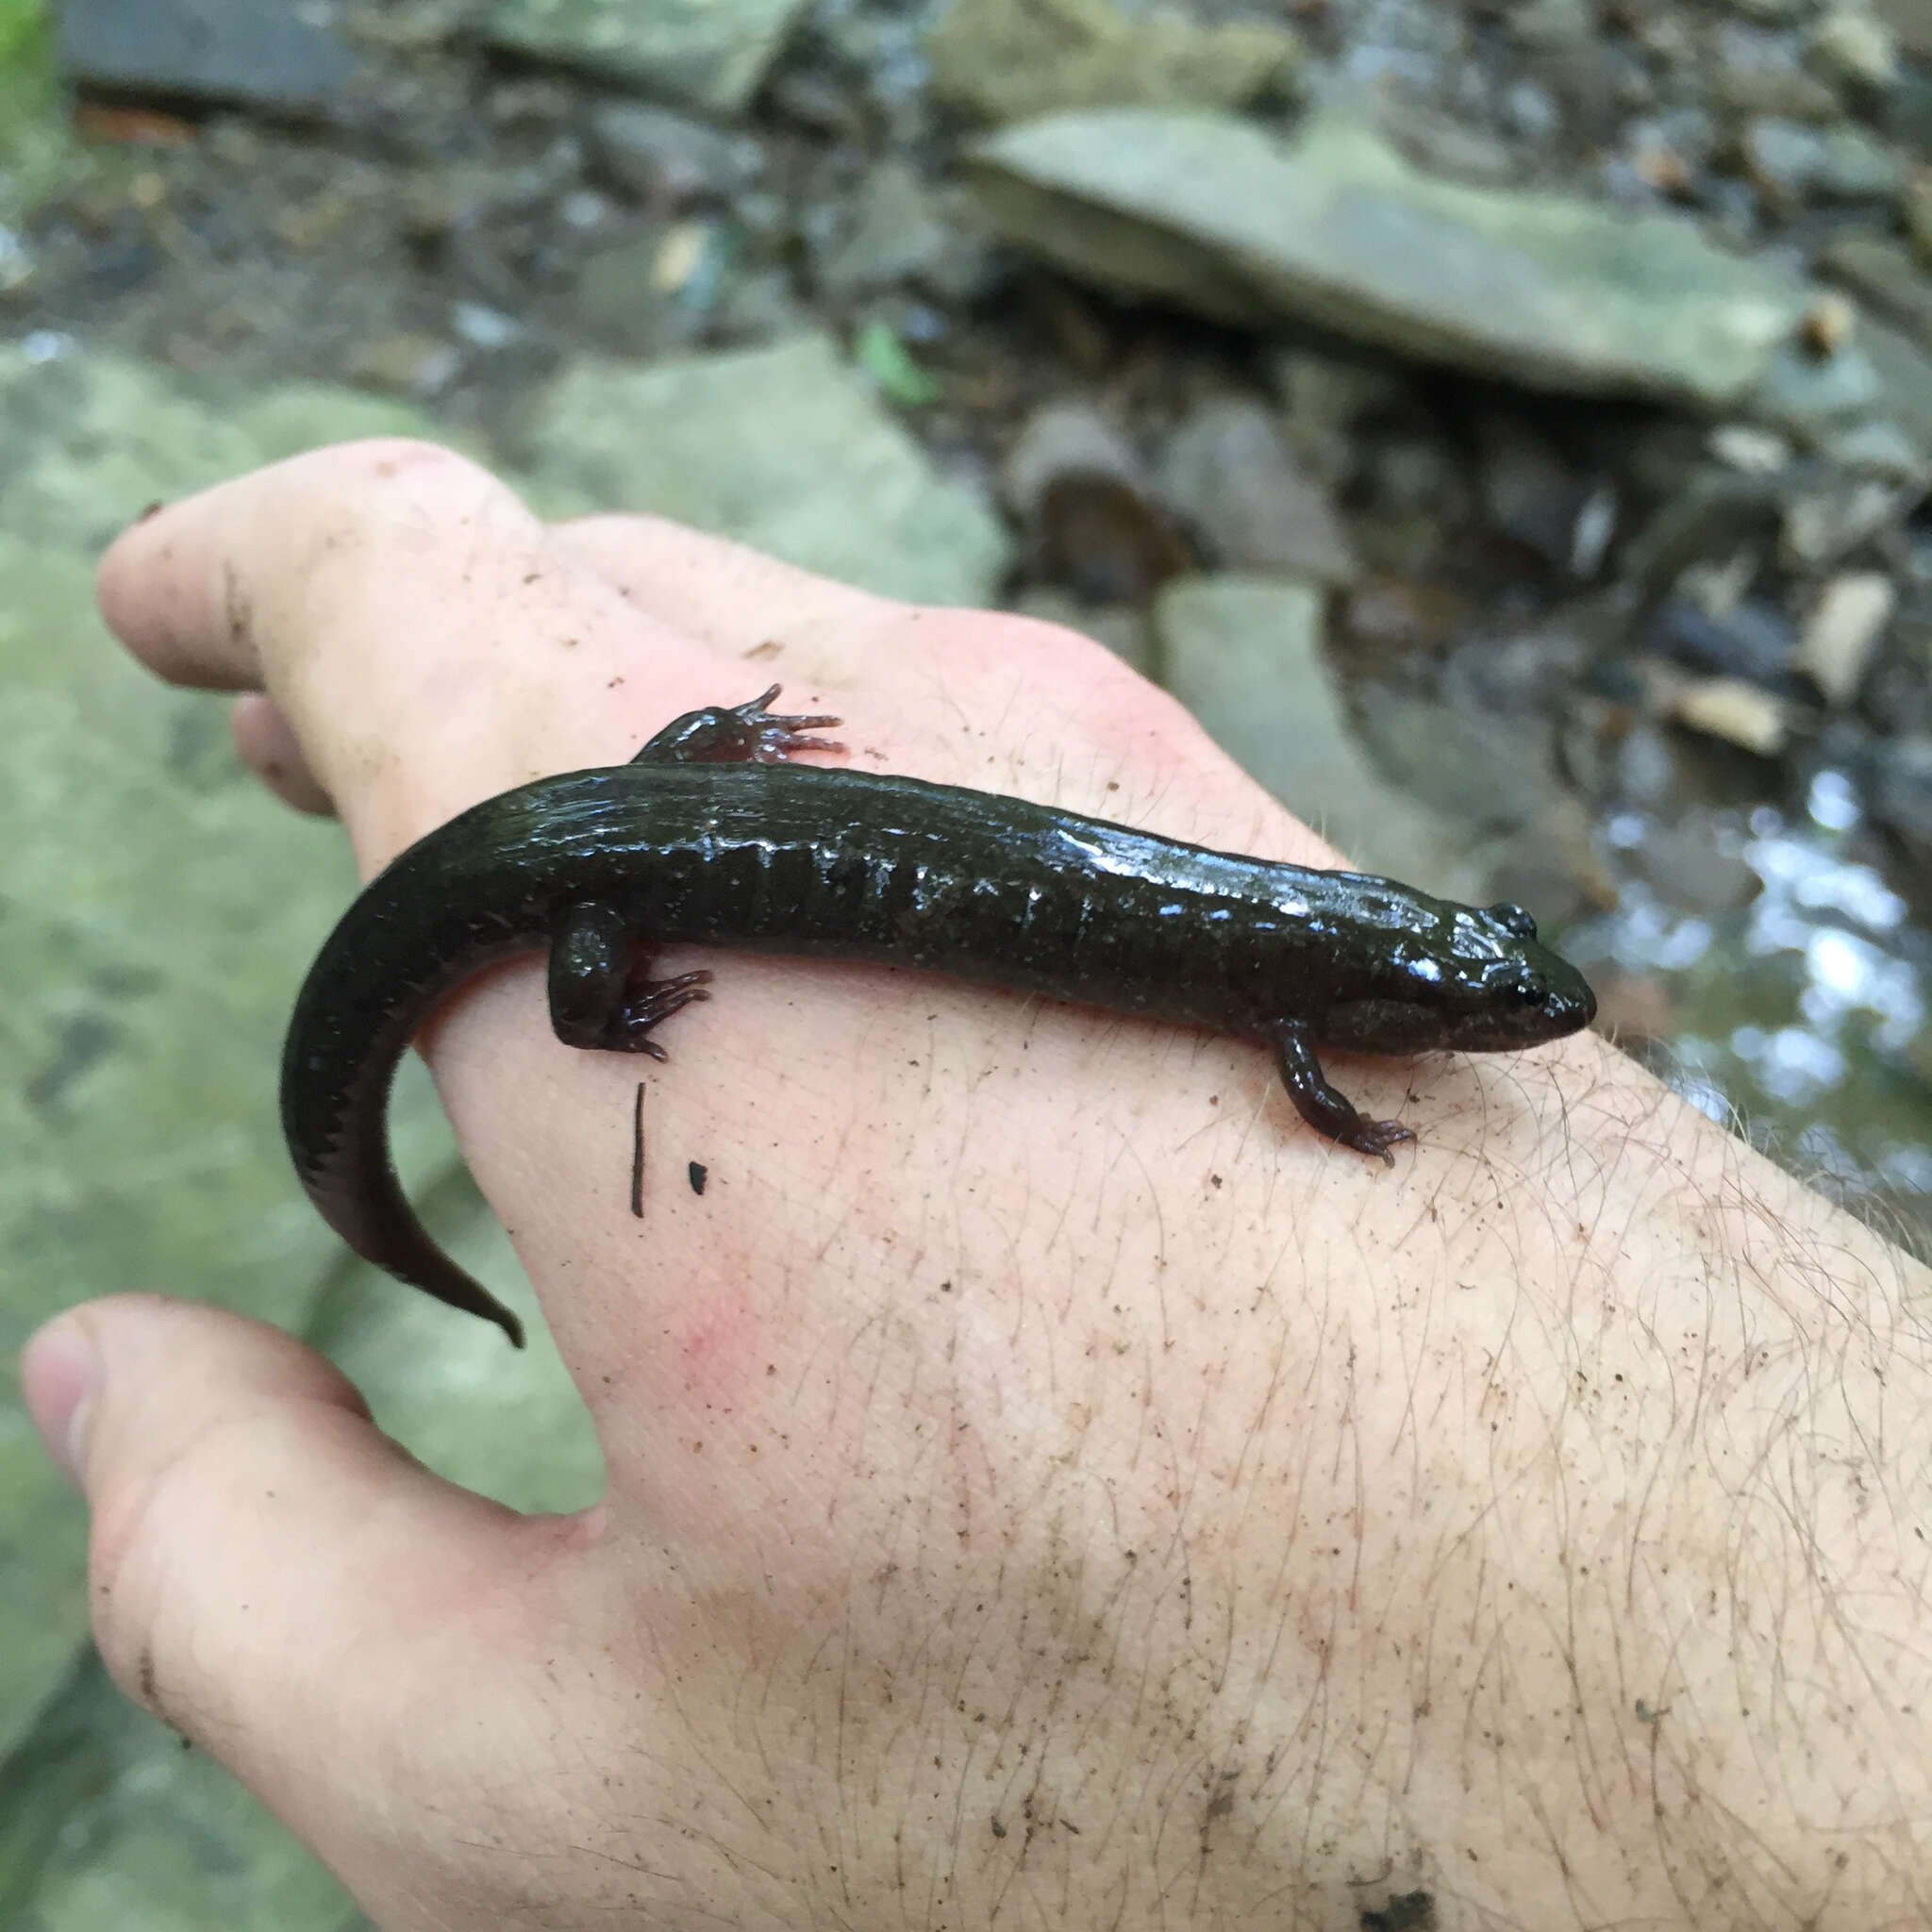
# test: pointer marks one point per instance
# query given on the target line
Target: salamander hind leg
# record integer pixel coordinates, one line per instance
(736, 735)
(1326, 1110)
(598, 1001)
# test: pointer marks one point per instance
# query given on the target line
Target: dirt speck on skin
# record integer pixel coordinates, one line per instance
(1406, 1911)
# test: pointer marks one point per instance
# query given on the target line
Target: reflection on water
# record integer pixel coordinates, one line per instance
(1801, 1012)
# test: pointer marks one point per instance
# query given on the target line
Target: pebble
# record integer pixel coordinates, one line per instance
(898, 231)
(1843, 633)
(1792, 162)
(1063, 437)
(1874, 448)
(1820, 527)
(1078, 486)
(1738, 712)
(407, 363)
(1228, 468)
(1531, 493)
(1852, 45)
(1827, 325)
(670, 159)
(1745, 446)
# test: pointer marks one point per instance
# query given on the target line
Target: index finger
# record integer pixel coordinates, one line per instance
(393, 597)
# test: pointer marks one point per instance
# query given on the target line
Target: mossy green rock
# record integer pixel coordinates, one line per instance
(785, 448)
(157, 911)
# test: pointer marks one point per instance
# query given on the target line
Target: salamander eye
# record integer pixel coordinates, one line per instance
(1512, 919)
(1528, 993)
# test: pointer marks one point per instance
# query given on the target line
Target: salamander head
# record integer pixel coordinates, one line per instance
(1468, 980)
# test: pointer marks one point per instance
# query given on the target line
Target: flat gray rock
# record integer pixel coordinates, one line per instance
(782, 447)
(706, 53)
(1006, 59)
(1244, 654)
(1216, 215)
(279, 54)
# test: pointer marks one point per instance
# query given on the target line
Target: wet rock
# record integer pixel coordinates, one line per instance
(1887, 274)
(637, 297)
(899, 231)
(1439, 145)
(711, 57)
(407, 363)
(1900, 795)
(1843, 631)
(1323, 399)
(1431, 748)
(1217, 216)
(1106, 541)
(1523, 830)
(1406, 614)
(1244, 654)
(1748, 637)
(1910, 22)
(1008, 60)
(784, 448)
(1792, 163)
(1670, 152)
(274, 54)
(142, 867)
(1821, 525)
(1408, 473)
(1806, 394)
(1776, 12)
(1532, 495)
(1874, 448)
(1696, 862)
(1826, 326)
(669, 160)
(1552, 24)
(1745, 446)
(1714, 512)
(1759, 73)
(1228, 469)
(1917, 207)
(1904, 379)
(1517, 676)
(1851, 44)
(1739, 713)
(1065, 438)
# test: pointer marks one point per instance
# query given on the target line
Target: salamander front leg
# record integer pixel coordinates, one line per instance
(1326, 1109)
(596, 1000)
(745, 734)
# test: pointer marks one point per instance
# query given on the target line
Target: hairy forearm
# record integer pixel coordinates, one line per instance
(1543, 1539)
(1554, 1548)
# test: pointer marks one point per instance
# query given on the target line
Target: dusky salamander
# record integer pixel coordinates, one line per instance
(708, 836)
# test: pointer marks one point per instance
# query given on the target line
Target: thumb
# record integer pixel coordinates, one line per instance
(275, 1578)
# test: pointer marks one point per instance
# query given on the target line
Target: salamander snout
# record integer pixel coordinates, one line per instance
(1544, 999)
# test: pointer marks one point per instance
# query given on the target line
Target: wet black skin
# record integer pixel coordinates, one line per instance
(708, 836)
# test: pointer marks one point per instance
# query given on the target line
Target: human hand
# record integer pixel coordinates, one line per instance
(1044, 1478)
